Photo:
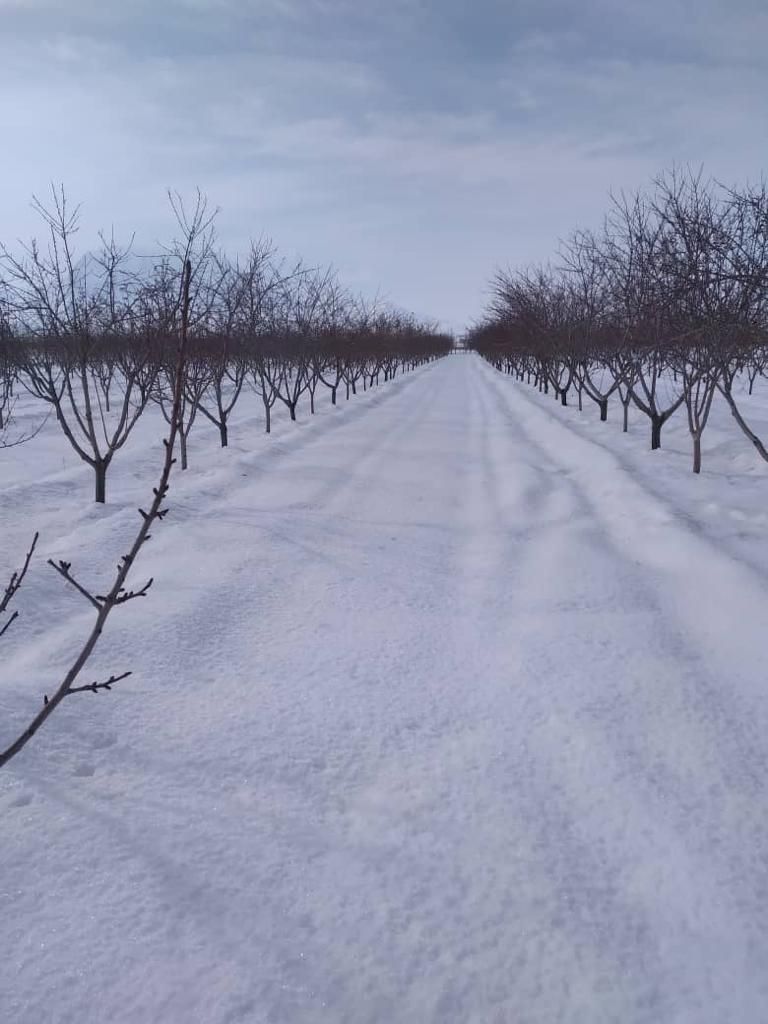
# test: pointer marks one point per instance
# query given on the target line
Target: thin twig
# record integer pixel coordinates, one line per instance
(62, 568)
(14, 585)
(95, 687)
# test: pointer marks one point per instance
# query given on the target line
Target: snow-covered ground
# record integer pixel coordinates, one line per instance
(449, 705)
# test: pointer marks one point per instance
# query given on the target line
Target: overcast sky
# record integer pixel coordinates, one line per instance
(414, 144)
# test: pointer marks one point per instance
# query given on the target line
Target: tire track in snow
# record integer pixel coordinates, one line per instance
(516, 519)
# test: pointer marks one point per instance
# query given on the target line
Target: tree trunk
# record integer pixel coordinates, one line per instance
(183, 448)
(603, 410)
(625, 425)
(292, 408)
(100, 470)
(564, 396)
(224, 433)
(656, 424)
(696, 453)
(333, 396)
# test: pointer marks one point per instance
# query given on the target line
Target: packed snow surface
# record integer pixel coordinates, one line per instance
(448, 705)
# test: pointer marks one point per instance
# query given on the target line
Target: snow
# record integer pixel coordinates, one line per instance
(449, 704)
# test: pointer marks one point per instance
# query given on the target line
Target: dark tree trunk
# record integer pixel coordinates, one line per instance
(100, 470)
(603, 410)
(224, 433)
(656, 424)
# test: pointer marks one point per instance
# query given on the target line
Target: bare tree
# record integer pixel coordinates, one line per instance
(194, 227)
(72, 318)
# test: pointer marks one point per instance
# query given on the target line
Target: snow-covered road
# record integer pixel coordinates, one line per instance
(438, 716)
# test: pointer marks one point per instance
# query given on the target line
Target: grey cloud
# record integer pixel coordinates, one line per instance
(415, 144)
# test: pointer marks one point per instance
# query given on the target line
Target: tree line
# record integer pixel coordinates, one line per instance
(92, 336)
(662, 309)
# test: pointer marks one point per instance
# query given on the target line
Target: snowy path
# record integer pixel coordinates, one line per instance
(444, 719)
